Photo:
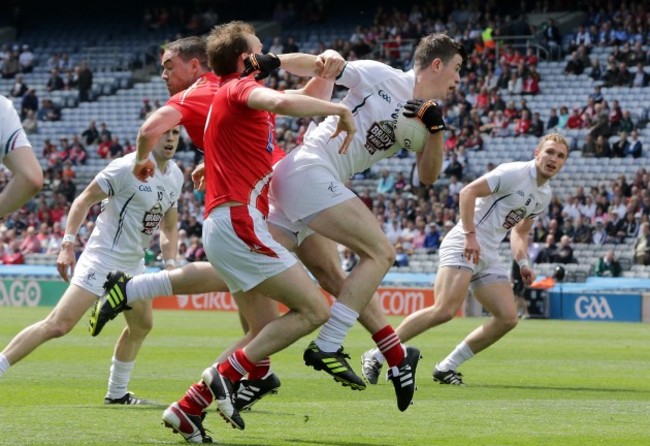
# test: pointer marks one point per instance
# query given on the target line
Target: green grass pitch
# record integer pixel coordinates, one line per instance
(546, 383)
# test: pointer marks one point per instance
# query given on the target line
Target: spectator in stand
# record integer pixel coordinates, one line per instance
(523, 124)
(599, 235)
(589, 147)
(553, 119)
(145, 109)
(103, 130)
(627, 123)
(14, 257)
(552, 39)
(563, 117)
(78, 154)
(26, 60)
(48, 111)
(624, 77)
(91, 134)
(67, 188)
(29, 102)
(581, 37)
(530, 85)
(608, 265)
(68, 170)
(615, 115)
(128, 147)
(11, 66)
(602, 127)
(474, 142)
(635, 150)
(192, 226)
(596, 71)
(574, 65)
(104, 148)
(55, 82)
(276, 46)
(642, 245)
(548, 252)
(115, 150)
(640, 77)
(30, 123)
(386, 182)
(349, 259)
(30, 243)
(620, 147)
(565, 251)
(597, 94)
(19, 87)
(611, 74)
(454, 168)
(629, 226)
(531, 59)
(85, 82)
(401, 256)
(515, 83)
(575, 120)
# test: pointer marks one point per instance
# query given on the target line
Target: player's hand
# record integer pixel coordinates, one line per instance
(143, 169)
(428, 112)
(329, 64)
(66, 261)
(345, 124)
(528, 275)
(472, 249)
(198, 177)
(264, 63)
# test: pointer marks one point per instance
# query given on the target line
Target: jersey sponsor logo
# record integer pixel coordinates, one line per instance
(144, 188)
(380, 137)
(514, 217)
(385, 96)
(593, 307)
(152, 219)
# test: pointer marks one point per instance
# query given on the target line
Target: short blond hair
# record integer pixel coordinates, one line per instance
(555, 137)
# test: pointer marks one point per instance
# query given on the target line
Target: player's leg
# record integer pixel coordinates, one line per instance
(65, 315)
(139, 323)
(498, 298)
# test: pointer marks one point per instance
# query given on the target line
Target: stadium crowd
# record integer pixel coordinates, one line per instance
(415, 218)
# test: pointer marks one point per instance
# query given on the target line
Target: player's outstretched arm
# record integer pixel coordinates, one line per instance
(78, 212)
(26, 181)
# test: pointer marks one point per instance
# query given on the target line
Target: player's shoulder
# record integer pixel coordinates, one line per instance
(5, 104)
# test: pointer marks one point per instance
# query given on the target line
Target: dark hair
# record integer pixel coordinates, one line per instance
(189, 48)
(225, 44)
(437, 46)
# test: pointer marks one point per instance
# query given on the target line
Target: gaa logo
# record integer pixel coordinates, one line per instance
(593, 307)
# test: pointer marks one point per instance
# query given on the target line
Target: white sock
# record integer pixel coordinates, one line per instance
(4, 364)
(148, 286)
(118, 381)
(331, 335)
(461, 353)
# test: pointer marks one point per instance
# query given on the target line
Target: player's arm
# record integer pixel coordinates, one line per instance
(327, 65)
(302, 106)
(78, 212)
(27, 179)
(519, 247)
(468, 195)
(169, 237)
(429, 161)
(163, 119)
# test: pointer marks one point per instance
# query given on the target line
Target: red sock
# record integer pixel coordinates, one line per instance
(389, 345)
(197, 398)
(236, 366)
(261, 369)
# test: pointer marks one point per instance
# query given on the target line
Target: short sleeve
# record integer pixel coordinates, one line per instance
(113, 177)
(12, 134)
(503, 178)
(360, 72)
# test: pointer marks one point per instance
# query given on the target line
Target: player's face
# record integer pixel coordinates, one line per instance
(550, 158)
(177, 74)
(167, 144)
(446, 78)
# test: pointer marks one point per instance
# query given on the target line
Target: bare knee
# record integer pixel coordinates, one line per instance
(440, 314)
(383, 253)
(140, 329)
(317, 314)
(508, 322)
(57, 328)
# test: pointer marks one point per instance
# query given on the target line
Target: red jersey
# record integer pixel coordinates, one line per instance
(239, 141)
(194, 103)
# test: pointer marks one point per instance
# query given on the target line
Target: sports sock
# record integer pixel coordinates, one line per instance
(236, 366)
(330, 338)
(4, 364)
(148, 286)
(461, 353)
(118, 381)
(389, 345)
(261, 369)
(197, 398)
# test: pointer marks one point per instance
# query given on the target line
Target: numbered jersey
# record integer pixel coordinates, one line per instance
(133, 209)
(377, 93)
(515, 196)
(12, 134)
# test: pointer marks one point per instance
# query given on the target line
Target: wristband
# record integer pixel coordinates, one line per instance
(523, 263)
(68, 238)
(468, 232)
(171, 262)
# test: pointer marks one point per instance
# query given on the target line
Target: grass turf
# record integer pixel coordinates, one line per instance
(546, 383)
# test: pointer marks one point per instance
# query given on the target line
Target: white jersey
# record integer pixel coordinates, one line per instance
(515, 196)
(377, 93)
(12, 134)
(133, 209)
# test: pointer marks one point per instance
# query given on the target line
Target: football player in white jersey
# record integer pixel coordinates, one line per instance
(506, 199)
(131, 212)
(17, 155)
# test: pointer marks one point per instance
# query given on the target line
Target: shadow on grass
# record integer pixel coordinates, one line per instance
(575, 389)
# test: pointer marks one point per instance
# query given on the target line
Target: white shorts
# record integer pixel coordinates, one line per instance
(92, 268)
(297, 231)
(239, 246)
(302, 191)
(490, 269)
